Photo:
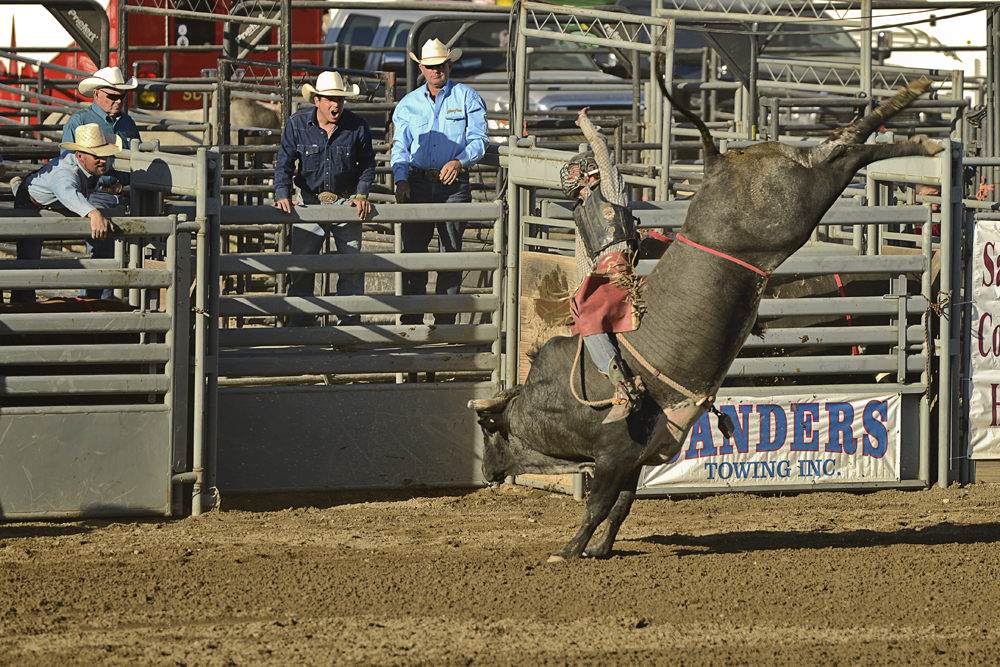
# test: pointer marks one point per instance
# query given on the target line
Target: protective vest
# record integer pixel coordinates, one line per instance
(601, 223)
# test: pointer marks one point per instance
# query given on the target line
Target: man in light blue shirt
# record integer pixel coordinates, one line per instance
(440, 132)
(110, 92)
(65, 183)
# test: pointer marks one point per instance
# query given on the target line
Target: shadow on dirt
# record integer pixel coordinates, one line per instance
(274, 502)
(766, 540)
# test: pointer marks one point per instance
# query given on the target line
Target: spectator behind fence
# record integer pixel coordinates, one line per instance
(64, 184)
(440, 133)
(110, 92)
(336, 159)
(3, 168)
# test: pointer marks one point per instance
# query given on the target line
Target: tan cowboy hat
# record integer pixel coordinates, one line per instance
(90, 139)
(109, 77)
(329, 84)
(434, 52)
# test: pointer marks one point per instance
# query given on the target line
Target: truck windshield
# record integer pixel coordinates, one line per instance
(484, 48)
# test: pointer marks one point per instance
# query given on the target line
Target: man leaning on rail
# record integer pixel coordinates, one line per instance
(440, 133)
(336, 165)
(65, 183)
(110, 92)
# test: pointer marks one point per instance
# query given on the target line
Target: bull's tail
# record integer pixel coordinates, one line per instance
(860, 131)
(707, 143)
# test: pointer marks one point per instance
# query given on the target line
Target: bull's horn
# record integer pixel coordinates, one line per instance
(487, 404)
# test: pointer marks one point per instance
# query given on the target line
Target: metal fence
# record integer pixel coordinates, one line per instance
(95, 412)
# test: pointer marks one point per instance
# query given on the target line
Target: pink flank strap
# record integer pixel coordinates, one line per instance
(722, 255)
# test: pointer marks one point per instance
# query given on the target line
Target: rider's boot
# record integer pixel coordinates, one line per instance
(628, 392)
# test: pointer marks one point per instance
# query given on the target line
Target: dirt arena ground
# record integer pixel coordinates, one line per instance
(887, 578)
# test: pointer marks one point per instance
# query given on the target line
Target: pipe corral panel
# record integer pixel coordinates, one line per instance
(326, 438)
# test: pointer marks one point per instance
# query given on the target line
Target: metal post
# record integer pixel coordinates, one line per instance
(994, 80)
(752, 101)
(668, 74)
(286, 61)
(122, 38)
(958, 113)
(211, 191)
(511, 310)
(41, 89)
(988, 131)
(866, 53)
(169, 367)
(200, 322)
(924, 463)
(499, 247)
(520, 102)
(950, 158)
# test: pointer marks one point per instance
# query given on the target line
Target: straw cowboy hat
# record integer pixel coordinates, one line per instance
(108, 77)
(434, 52)
(329, 84)
(90, 139)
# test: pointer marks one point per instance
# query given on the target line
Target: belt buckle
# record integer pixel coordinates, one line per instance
(328, 197)
(433, 174)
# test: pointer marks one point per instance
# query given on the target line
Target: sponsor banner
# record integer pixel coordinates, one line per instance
(805, 439)
(984, 348)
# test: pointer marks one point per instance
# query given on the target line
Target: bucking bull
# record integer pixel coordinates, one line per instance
(756, 206)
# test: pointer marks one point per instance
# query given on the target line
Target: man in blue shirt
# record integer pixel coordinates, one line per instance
(336, 165)
(440, 132)
(110, 91)
(66, 183)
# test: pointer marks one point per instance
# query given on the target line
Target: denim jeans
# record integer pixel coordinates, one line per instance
(100, 248)
(601, 350)
(26, 248)
(415, 238)
(308, 239)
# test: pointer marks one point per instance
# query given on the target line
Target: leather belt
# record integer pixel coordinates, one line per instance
(433, 175)
(331, 197)
(32, 199)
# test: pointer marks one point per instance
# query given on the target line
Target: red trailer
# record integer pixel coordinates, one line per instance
(180, 47)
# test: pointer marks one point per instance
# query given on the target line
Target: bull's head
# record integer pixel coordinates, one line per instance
(498, 462)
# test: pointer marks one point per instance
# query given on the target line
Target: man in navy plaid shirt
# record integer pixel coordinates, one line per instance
(336, 165)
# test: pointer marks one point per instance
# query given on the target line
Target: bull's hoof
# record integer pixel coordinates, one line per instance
(555, 558)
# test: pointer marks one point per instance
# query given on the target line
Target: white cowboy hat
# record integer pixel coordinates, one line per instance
(329, 84)
(90, 139)
(108, 77)
(434, 52)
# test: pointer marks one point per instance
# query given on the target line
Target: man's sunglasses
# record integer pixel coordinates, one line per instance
(114, 98)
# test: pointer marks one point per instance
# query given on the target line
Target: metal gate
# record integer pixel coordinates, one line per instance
(94, 412)
(380, 405)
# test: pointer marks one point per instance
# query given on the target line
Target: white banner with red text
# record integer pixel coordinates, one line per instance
(984, 364)
(797, 440)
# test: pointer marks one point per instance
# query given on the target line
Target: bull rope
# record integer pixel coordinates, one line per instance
(722, 255)
(659, 376)
(937, 308)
